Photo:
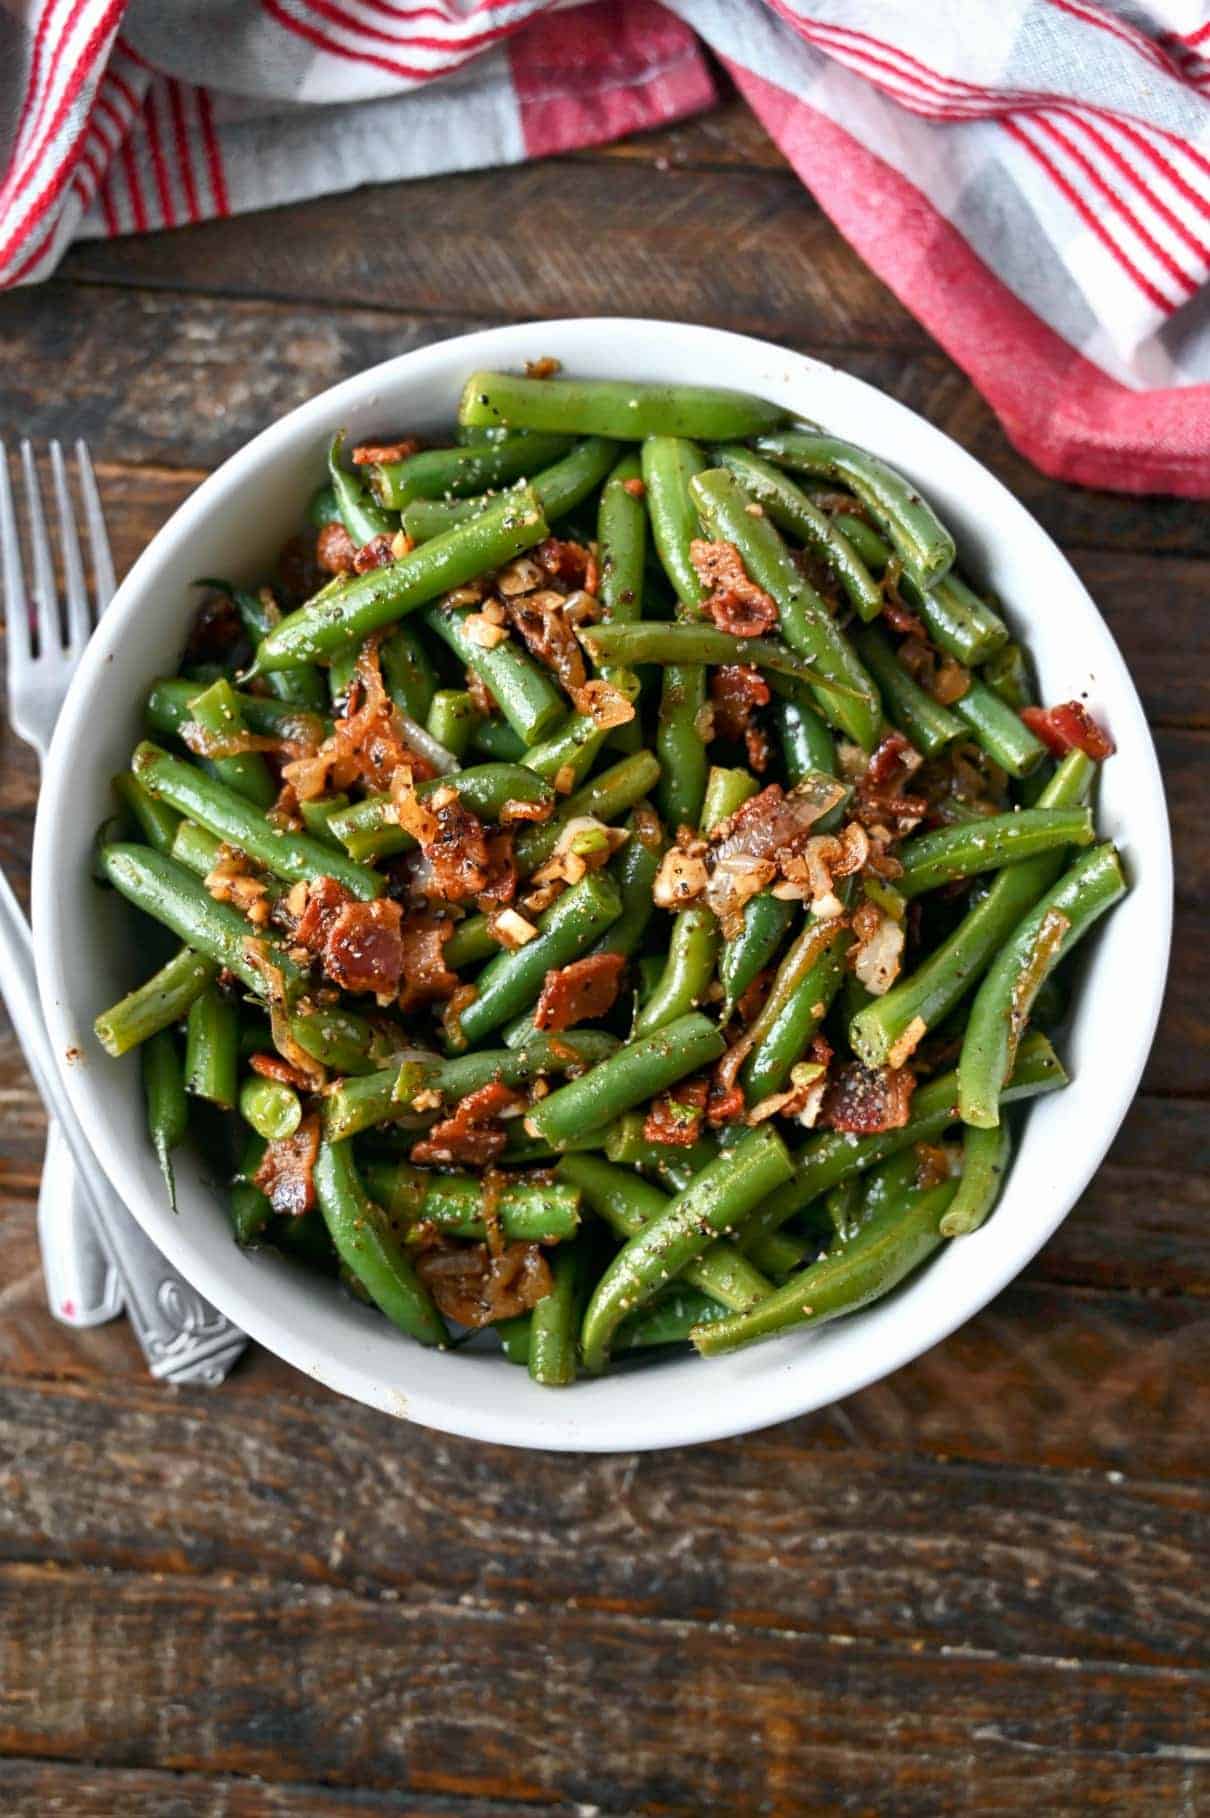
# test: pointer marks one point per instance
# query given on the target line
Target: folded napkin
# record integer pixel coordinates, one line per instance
(1030, 177)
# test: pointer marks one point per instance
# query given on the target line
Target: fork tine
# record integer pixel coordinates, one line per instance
(46, 607)
(104, 583)
(79, 625)
(16, 606)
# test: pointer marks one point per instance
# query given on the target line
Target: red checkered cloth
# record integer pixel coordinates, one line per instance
(1031, 177)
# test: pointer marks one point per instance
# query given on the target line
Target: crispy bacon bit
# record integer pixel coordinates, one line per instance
(215, 631)
(377, 553)
(426, 977)
(580, 992)
(286, 1172)
(943, 677)
(725, 1104)
(367, 743)
(272, 1066)
(452, 839)
(501, 883)
(316, 905)
(563, 560)
(335, 550)
(472, 1133)
(384, 454)
(736, 690)
(544, 368)
(635, 487)
(932, 1165)
(676, 1117)
(892, 760)
(474, 1288)
(880, 803)
(734, 602)
(865, 1101)
(1069, 727)
(364, 948)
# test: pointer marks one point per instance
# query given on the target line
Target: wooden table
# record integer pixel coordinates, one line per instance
(973, 1588)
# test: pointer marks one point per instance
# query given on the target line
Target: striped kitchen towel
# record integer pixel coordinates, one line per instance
(1031, 177)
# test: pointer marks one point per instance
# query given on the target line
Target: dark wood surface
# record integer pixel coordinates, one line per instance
(977, 1587)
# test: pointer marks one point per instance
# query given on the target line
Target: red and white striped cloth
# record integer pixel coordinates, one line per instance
(1031, 177)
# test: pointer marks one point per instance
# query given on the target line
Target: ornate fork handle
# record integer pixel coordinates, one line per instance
(184, 1338)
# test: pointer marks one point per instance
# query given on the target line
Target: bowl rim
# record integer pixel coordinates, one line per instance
(782, 1395)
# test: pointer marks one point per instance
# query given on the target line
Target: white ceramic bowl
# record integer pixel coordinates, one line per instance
(88, 955)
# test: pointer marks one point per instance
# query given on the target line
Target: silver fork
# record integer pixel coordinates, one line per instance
(94, 1254)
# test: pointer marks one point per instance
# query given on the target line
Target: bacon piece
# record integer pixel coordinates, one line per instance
(500, 885)
(374, 554)
(734, 602)
(545, 367)
(725, 1104)
(322, 899)
(458, 852)
(272, 1066)
(287, 1171)
(736, 690)
(472, 1133)
(375, 454)
(474, 1288)
(367, 743)
(300, 573)
(580, 992)
(363, 950)
(426, 977)
(547, 632)
(1069, 727)
(864, 1101)
(215, 631)
(894, 758)
(941, 676)
(335, 550)
(676, 1117)
(563, 560)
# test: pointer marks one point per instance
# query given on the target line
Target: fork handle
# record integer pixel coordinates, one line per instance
(183, 1337)
(81, 1288)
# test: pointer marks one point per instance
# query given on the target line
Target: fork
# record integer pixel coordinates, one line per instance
(95, 1257)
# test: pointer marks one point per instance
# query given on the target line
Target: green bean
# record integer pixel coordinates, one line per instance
(156, 1004)
(154, 819)
(341, 671)
(626, 409)
(604, 798)
(667, 1321)
(928, 725)
(249, 1208)
(452, 719)
(369, 1248)
(370, 828)
(436, 473)
(668, 465)
(167, 1106)
(362, 603)
(1004, 736)
(949, 853)
(196, 849)
(985, 1159)
(681, 644)
(528, 699)
(471, 942)
(791, 510)
(212, 1048)
(170, 704)
(716, 1201)
(294, 856)
(688, 972)
(923, 999)
(495, 739)
(1000, 1012)
(316, 816)
(322, 509)
(552, 1330)
(841, 687)
(668, 1163)
(832, 1157)
(273, 1109)
(766, 922)
(627, 1205)
(514, 1335)
(171, 895)
(510, 981)
(361, 517)
(337, 1038)
(1007, 674)
(633, 871)
(637, 1072)
(924, 545)
(807, 980)
(806, 743)
(558, 489)
(259, 613)
(246, 774)
(622, 542)
(407, 670)
(954, 616)
(530, 1211)
(726, 793)
(885, 1251)
(570, 751)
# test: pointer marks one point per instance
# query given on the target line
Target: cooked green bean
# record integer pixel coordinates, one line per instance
(370, 829)
(167, 1106)
(409, 672)
(155, 820)
(552, 1330)
(985, 1158)
(158, 1003)
(361, 517)
(1004, 736)
(512, 980)
(668, 466)
(637, 1072)
(216, 712)
(949, 853)
(527, 697)
(626, 409)
(633, 871)
(558, 489)
(540, 1211)
(792, 511)
(924, 722)
(369, 1248)
(452, 719)
(605, 798)
(808, 979)
(438, 473)
(273, 1109)
(212, 1048)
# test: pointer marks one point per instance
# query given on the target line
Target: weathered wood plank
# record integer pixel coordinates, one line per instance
(164, 1673)
(61, 1789)
(149, 376)
(833, 1539)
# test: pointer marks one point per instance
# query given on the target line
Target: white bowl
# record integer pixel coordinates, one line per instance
(88, 955)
